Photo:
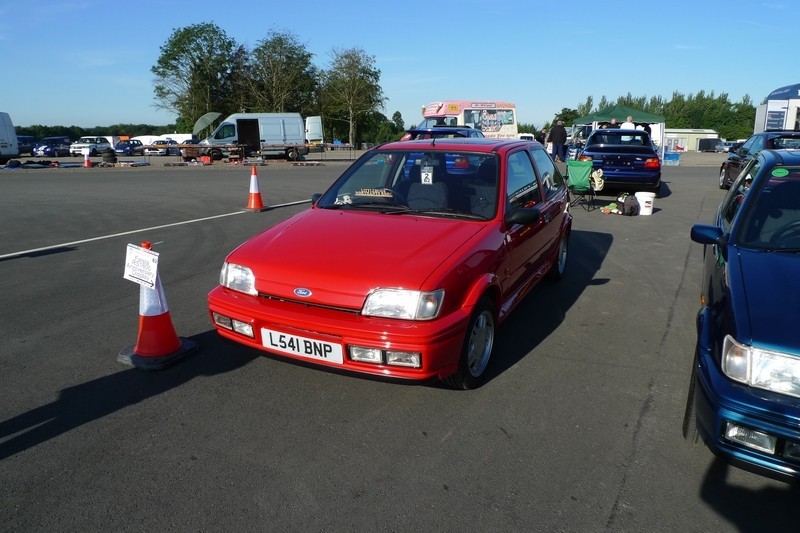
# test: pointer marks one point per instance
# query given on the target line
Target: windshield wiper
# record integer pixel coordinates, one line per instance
(444, 211)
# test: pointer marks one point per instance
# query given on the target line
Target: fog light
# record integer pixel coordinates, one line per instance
(366, 355)
(750, 438)
(222, 321)
(410, 359)
(792, 451)
(243, 327)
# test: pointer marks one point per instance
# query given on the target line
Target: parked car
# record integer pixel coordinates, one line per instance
(163, 147)
(628, 159)
(738, 158)
(27, 144)
(438, 132)
(442, 259)
(129, 147)
(95, 145)
(55, 146)
(744, 392)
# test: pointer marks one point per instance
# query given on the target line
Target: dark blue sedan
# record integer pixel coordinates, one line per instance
(744, 393)
(627, 157)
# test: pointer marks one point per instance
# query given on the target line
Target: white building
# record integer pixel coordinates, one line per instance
(780, 110)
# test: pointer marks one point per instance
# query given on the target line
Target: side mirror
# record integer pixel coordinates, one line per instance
(315, 197)
(711, 235)
(524, 216)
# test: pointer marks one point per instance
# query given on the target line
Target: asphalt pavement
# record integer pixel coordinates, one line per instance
(577, 429)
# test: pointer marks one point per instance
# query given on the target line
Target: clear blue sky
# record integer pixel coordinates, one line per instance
(87, 62)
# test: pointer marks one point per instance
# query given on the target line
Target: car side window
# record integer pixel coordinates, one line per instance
(745, 149)
(522, 188)
(733, 200)
(552, 181)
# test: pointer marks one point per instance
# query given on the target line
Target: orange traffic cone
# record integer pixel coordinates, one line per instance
(157, 345)
(87, 163)
(254, 202)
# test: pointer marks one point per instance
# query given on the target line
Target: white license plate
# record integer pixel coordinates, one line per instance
(302, 346)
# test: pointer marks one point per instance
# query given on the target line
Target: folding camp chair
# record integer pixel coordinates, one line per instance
(579, 182)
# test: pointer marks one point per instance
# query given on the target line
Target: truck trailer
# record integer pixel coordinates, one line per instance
(259, 134)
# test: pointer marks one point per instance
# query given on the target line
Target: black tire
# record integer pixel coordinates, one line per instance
(689, 429)
(556, 272)
(722, 179)
(476, 352)
(292, 154)
(93, 153)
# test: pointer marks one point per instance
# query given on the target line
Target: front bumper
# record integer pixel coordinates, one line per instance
(438, 341)
(720, 401)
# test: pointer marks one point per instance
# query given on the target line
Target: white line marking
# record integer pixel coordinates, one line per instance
(73, 243)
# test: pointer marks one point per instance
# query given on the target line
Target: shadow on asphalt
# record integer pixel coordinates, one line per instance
(95, 399)
(544, 308)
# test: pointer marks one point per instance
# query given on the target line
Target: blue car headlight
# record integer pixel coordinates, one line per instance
(404, 304)
(773, 371)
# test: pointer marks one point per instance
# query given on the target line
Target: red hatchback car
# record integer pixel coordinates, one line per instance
(406, 266)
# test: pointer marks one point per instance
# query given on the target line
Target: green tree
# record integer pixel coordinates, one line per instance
(283, 76)
(397, 120)
(193, 72)
(352, 87)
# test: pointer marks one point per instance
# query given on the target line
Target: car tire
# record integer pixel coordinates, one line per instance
(476, 352)
(722, 179)
(689, 428)
(292, 154)
(556, 272)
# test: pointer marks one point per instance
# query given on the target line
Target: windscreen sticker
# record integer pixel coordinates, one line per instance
(375, 193)
(426, 175)
(780, 172)
(344, 199)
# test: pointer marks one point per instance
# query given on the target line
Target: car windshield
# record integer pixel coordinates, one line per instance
(630, 138)
(439, 183)
(771, 219)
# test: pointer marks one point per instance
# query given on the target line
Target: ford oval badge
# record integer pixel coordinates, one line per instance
(302, 293)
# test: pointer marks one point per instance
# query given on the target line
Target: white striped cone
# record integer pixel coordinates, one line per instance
(157, 345)
(254, 201)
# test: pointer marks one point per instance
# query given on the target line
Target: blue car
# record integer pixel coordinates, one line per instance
(628, 159)
(57, 146)
(129, 147)
(744, 392)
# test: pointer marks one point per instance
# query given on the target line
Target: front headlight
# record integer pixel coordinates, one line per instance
(408, 305)
(238, 278)
(760, 368)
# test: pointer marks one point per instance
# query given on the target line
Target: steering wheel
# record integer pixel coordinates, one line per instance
(781, 232)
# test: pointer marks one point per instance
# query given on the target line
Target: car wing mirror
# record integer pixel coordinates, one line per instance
(315, 197)
(524, 216)
(711, 235)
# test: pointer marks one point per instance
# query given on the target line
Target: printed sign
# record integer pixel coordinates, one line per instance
(141, 266)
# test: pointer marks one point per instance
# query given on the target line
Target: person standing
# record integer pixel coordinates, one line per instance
(558, 136)
(542, 136)
(627, 125)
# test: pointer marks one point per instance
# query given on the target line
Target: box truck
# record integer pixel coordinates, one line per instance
(9, 148)
(259, 134)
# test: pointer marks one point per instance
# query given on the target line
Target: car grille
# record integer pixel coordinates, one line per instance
(305, 303)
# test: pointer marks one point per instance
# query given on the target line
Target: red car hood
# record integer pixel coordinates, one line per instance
(340, 256)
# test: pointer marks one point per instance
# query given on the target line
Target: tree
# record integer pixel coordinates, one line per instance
(193, 72)
(397, 120)
(352, 87)
(283, 77)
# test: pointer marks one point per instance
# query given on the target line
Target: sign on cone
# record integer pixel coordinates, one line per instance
(254, 201)
(157, 345)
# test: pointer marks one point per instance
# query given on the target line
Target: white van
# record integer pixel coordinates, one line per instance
(314, 130)
(261, 133)
(9, 148)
